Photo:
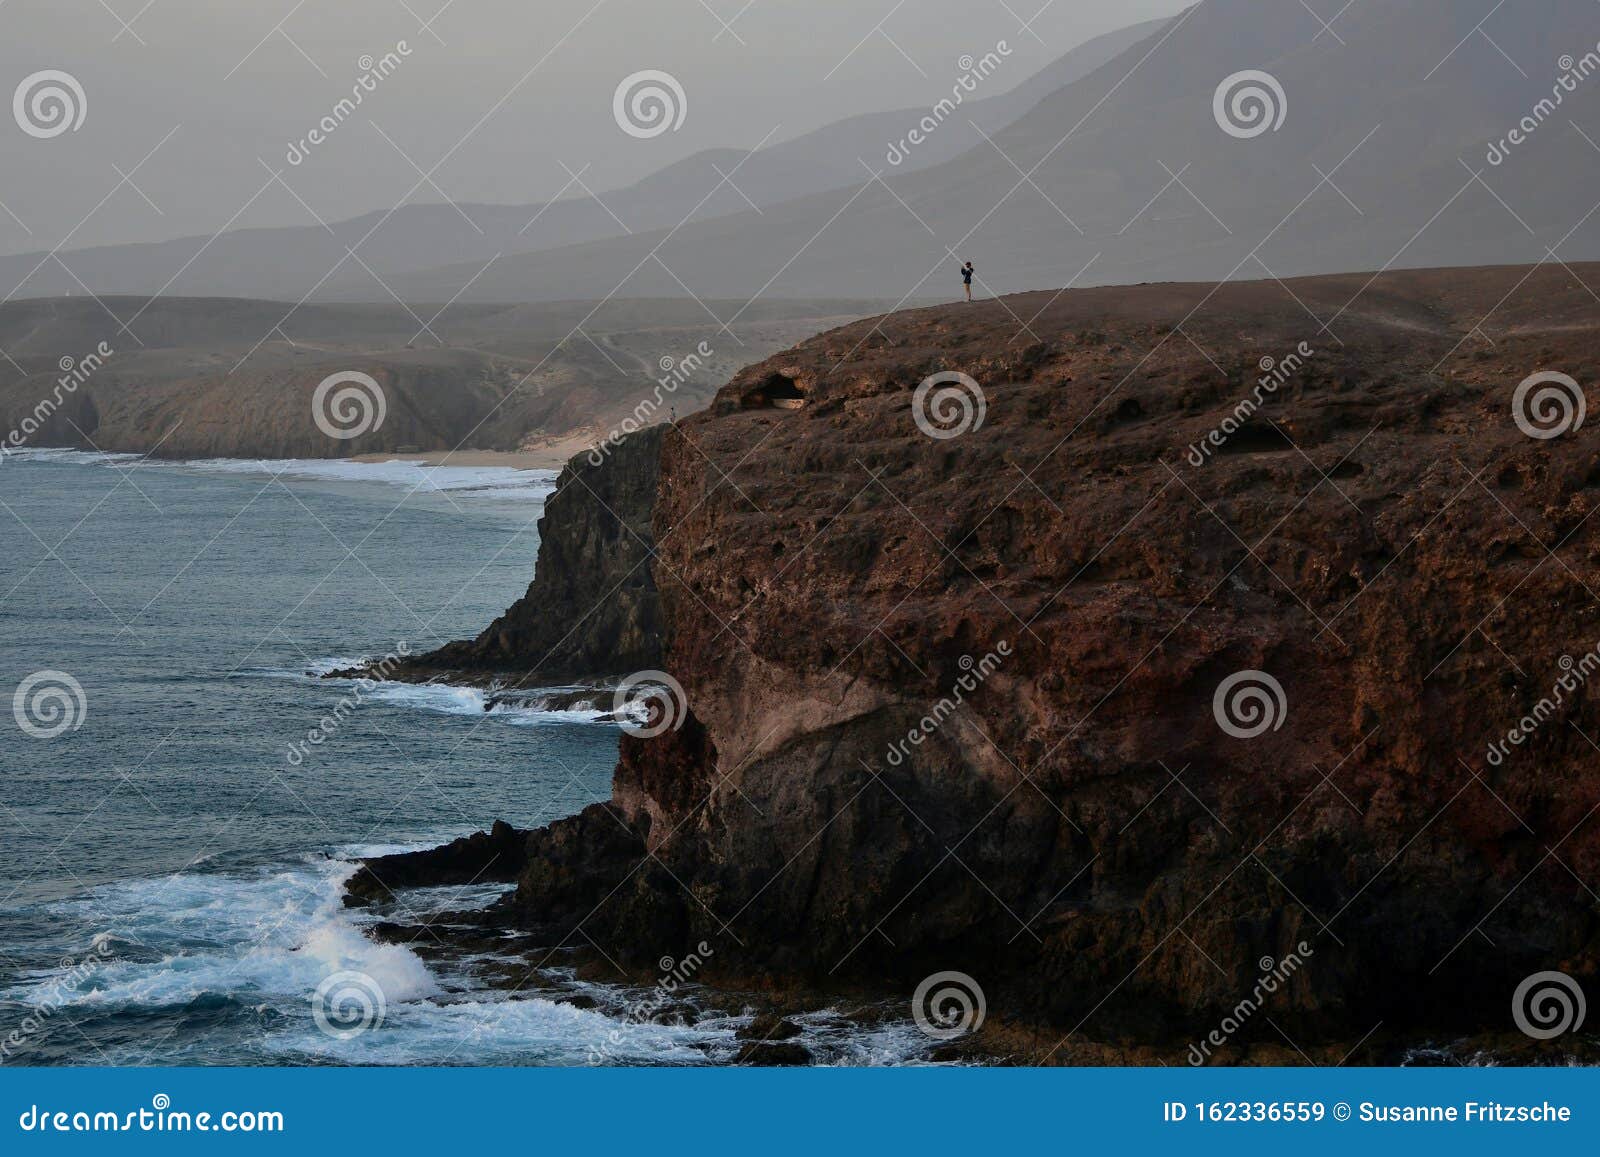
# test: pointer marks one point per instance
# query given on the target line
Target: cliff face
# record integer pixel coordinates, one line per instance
(592, 609)
(970, 703)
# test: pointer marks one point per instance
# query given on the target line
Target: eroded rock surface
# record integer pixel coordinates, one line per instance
(1080, 834)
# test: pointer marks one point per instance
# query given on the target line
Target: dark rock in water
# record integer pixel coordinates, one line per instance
(496, 856)
(768, 1026)
(773, 1055)
(1083, 830)
(590, 698)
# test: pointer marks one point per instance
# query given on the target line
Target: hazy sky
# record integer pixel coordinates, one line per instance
(503, 92)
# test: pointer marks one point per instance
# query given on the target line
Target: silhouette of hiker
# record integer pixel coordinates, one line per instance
(966, 278)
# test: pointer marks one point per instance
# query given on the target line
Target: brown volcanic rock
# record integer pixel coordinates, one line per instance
(1080, 835)
(1076, 831)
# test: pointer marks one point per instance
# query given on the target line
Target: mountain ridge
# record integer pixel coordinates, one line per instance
(287, 262)
(1126, 175)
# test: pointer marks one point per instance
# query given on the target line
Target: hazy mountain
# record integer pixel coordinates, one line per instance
(289, 263)
(1394, 103)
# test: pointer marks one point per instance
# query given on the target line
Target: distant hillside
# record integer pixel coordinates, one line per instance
(1125, 176)
(292, 262)
(239, 378)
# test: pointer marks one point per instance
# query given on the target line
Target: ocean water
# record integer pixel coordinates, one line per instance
(173, 845)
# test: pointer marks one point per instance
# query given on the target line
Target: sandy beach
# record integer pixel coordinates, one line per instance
(549, 454)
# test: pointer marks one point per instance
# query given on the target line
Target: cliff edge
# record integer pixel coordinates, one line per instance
(1186, 638)
(592, 610)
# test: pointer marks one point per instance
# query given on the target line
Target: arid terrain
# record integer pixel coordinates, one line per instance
(201, 378)
(1097, 832)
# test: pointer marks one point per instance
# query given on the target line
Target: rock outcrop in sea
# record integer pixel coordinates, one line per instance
(592, 611)
(1195, 651)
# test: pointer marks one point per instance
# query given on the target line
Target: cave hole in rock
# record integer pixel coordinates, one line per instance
(777, 392)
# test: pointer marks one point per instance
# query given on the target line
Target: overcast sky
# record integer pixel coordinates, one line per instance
(503, 92)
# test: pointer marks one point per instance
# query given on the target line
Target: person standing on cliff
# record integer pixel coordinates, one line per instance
(966, 278)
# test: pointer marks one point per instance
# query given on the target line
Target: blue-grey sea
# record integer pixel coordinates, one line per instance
(173, 845)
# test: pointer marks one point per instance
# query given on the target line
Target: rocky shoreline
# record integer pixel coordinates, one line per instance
(592, 613)
(843, 806)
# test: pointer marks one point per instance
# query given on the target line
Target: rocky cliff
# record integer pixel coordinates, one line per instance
(592, 611)
(1190, 646)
